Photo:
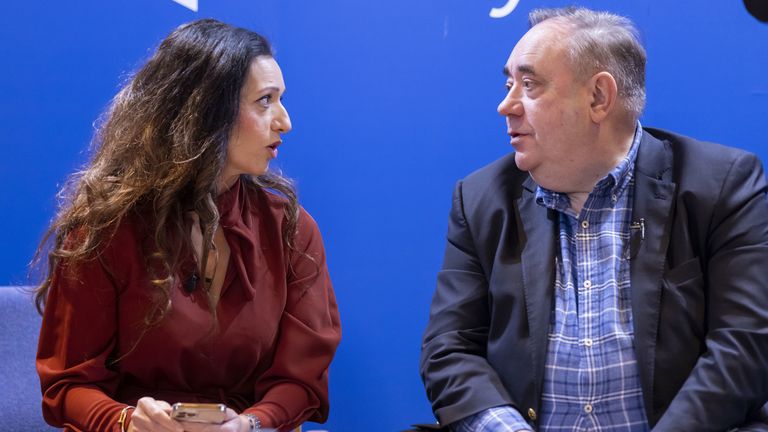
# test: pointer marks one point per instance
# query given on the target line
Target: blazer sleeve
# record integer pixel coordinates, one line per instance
(77, 336)
(729, 382)
(458, 379)
(295, 388)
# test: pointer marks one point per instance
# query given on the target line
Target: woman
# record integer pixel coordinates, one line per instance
(181, 269)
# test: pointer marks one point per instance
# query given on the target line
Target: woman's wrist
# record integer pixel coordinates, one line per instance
(124, 420)
(254, 424)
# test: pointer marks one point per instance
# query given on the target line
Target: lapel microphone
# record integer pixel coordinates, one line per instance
(191, 283)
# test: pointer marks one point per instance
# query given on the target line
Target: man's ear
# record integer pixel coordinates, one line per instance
(605, 93)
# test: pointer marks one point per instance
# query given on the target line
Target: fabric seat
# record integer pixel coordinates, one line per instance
(20, 399)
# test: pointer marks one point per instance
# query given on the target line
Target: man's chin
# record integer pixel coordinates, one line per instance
(523, 162)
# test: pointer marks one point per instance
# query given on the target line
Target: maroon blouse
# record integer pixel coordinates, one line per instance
(278, 327)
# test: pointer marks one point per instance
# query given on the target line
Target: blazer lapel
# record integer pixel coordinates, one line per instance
(653, 198)
(538, 257)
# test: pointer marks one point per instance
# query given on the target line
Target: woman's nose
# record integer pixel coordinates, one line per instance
(282, 121)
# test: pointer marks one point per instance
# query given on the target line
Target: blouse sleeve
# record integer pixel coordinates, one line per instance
(77, 335)
(295, 388)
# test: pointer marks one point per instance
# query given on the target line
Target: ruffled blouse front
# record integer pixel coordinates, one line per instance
(268, 354)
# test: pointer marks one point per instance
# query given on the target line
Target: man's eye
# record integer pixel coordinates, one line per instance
(527, 84)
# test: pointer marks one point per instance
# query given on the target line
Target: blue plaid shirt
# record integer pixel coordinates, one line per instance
(591, 379)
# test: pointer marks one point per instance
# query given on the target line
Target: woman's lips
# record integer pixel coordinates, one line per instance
(273, 149)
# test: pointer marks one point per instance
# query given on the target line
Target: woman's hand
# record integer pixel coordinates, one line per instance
(153, 415)
(232, 423)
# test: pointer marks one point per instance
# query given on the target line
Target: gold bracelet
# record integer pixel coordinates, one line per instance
(123, 417)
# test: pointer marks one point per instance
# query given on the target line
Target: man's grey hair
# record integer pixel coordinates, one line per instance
(603, 41)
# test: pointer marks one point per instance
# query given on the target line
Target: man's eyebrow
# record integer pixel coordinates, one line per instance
(527, 69)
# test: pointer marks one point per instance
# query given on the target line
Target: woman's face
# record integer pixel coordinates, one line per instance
(260, 122)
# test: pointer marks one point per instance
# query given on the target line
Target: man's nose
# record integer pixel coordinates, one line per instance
(510, 105)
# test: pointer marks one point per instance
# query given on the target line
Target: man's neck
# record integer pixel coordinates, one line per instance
(621, 143)
(577, 200)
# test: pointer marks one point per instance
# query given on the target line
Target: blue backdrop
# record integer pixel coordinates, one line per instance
(391, 101)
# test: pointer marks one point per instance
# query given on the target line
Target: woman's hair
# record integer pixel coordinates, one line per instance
(159, 149)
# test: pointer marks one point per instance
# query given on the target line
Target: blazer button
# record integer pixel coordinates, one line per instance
(531, 414)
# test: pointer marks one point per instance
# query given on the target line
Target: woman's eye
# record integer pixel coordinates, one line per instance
(265, 100)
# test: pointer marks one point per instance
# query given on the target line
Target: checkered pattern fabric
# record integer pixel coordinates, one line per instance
(591, 380)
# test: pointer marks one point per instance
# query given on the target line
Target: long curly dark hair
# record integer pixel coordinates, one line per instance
(160, 148)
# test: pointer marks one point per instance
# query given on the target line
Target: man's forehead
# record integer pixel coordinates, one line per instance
(543, 42)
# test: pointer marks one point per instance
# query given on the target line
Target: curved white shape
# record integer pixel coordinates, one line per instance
(504, 10)
(189, 4)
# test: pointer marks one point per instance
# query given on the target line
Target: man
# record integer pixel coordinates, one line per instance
(603, 277)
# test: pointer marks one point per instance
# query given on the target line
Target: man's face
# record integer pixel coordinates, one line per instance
(547, 109)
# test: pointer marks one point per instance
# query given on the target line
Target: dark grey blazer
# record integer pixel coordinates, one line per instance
(699, 290)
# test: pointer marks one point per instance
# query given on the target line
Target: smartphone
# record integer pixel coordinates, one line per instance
(199, 412)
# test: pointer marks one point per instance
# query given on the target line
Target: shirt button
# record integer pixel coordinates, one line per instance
(585, 224)
(588, 408)
(614, 198)
(588, 342)
(587, 284)
(531, 414)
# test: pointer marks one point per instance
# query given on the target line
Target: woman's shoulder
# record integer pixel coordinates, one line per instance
(126, 229)
(271, 200)
(113, 251)
(132, 228)
(275, 203)
(278, 202)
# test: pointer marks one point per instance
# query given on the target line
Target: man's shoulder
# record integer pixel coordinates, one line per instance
(683, 146)
(694, 165)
